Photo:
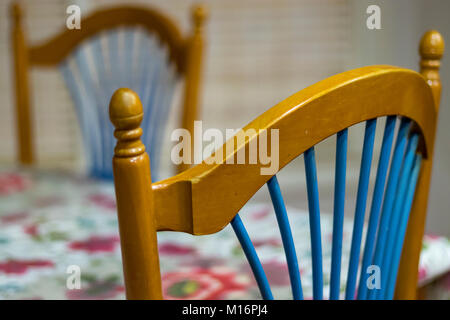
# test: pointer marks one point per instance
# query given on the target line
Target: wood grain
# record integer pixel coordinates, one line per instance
(204, 199)
(134, 199)
(24, 126)
(53, 51)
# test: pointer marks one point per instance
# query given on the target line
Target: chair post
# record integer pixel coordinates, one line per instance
(193, 69)
(132, 180)
(431, 50)
(23, 114)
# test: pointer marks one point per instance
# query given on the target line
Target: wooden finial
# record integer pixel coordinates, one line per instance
(431, 50)
(133, 185)
(199, 15)
(126, 113)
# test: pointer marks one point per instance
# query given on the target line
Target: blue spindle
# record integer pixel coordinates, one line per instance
(400, 236)
(144, 72)
(314, 222)
(153, 94)
(338, 214)
(95, 103)
(158, 91)
(102, 97)
(139, 58)
(383, 165)
(104, 68)
(102, 76)
(83, 83)
(128, 52)
(145, 77)
(252, 257)
(77, 95)
(397, 212)
(99, 60)
(389, 197)
(114, 56)
(115, 80)
(150, 97)
(164, 106)
(361, 199)
(162, 88)
(286, 237)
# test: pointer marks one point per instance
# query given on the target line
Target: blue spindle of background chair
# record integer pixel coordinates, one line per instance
(123, 57)
(128, 54)
(163, 99)
(102, 93)
(338, 214)
(383, 165)
(79, 98)
(363, 186)
(92, 93)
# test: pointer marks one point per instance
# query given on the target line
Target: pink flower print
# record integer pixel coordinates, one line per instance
(31, 230)
(13, 266)
(175, 249)
(103, 201)
(422, 273)
(201, 284)
(272, 242)
(14, 217)
(11, 183)
(261, 214)
(96, 244)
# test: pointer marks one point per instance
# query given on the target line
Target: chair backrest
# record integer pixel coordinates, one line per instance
(207, 197)
(126, 46)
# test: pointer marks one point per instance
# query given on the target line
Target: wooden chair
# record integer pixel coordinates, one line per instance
(128, 46)
(207, 197)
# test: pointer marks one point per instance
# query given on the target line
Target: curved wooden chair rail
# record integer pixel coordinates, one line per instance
(205, 198)
(185, 52)
(344, 100)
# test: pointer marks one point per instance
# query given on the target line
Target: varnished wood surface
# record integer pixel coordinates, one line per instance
(204, 199)
(431, 50)
(134, 199)
(55, 50)
(24, 127)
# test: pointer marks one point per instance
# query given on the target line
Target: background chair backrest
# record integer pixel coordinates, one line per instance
(205, 198)
(125, 46)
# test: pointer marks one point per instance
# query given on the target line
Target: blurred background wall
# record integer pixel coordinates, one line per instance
(258, 53)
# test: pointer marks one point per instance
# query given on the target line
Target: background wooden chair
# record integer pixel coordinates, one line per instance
(135, 47)
(205, 198)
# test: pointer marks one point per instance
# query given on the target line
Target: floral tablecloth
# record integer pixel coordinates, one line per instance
(51, 223)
